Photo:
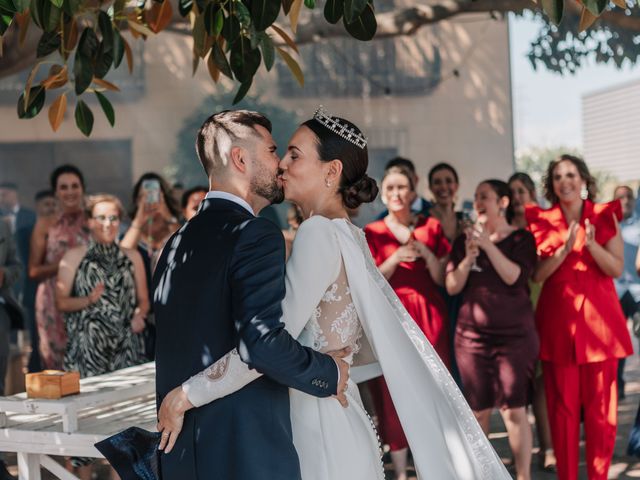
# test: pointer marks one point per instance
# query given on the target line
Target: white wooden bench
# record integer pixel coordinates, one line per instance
(70, 426)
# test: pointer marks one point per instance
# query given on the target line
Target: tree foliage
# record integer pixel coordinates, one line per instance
(81, 41)
(234, 37)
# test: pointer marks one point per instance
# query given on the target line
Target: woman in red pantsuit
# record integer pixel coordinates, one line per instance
(410, 251)
(580, 322)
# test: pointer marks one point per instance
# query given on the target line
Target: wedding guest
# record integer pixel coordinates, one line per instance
(22, 221)
(46, 203)
(418, 203)
(496, 343)
(51, 238)
(409, 250)
(628, 284)
(190, 201)
(444, 184)
(102, 290)
(155, 218)
(580, 321)
(523, 192)
(11, 314)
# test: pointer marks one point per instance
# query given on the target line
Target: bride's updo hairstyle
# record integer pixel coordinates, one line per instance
(356, 187)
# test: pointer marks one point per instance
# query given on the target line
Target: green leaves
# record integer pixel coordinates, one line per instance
(353, 9)
(107, 108)
(333, 11)
(7, 11)
(220, 60)
(49, 43)
(106, 28)
(84, 118)
(213, 19)
(45, 14)
(83, 67)
(118, 48)
(231, 29)
(244, 60)
(230, 34)
(554, 9)
(242, 91)
(365, 25)
(268, 51)
(264, 13)
(35, 103)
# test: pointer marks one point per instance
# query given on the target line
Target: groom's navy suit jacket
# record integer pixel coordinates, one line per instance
(218, 286)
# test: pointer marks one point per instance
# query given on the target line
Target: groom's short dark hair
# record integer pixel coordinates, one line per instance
(220, 131)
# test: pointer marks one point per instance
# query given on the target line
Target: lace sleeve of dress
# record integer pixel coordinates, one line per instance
(224, 377)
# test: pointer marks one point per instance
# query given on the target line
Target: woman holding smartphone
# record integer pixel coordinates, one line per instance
(155, 218)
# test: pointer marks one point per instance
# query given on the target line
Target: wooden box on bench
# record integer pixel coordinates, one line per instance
(52, 384)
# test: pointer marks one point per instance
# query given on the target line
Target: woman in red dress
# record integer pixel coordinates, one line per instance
(582, 328)
(410, 251)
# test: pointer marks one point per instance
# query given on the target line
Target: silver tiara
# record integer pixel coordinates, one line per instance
(345, 131)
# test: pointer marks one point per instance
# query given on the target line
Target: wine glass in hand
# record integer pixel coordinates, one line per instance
(473, 224)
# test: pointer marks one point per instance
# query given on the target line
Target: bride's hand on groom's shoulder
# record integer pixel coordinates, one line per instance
(171, 416)
(343, 368)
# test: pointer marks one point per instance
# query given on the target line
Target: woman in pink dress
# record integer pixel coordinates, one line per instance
(51, 238)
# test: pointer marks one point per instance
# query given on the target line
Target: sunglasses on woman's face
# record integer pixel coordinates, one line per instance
(106, 219)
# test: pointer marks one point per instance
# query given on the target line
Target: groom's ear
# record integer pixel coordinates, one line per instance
(238, 158)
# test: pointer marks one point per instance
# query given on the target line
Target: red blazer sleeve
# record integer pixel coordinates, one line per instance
(604, 214)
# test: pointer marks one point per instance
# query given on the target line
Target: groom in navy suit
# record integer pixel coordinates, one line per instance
(218, 285)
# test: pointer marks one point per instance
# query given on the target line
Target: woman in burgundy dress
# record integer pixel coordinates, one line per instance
(496, 344)
(410, 251)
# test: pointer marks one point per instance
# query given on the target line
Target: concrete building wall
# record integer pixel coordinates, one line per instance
(610, 120)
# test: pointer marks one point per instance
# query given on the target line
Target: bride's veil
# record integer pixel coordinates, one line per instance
(445, 439)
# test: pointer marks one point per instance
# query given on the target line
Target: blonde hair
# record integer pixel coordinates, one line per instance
(94, 200)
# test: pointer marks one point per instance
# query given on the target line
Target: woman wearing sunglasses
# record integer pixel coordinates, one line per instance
(102, 290)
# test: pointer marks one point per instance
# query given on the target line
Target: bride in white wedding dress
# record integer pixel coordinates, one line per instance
(336, 298)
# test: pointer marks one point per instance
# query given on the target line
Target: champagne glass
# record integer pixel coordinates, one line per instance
(471, 222)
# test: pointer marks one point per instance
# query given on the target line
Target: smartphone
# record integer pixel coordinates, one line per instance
(152, 188)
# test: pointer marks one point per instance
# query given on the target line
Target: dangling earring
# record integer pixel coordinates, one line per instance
(327, 183)
(502, 212)
(584, 193)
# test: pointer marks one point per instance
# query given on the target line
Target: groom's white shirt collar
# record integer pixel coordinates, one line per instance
(232, 198)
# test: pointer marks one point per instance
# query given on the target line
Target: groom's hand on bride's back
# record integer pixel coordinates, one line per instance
(343, 368)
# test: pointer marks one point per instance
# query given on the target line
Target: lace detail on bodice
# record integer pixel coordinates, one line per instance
(334, 323)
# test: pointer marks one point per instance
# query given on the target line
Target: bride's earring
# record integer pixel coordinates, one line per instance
(584, 193)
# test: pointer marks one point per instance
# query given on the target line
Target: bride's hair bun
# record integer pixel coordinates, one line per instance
(362, 191)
